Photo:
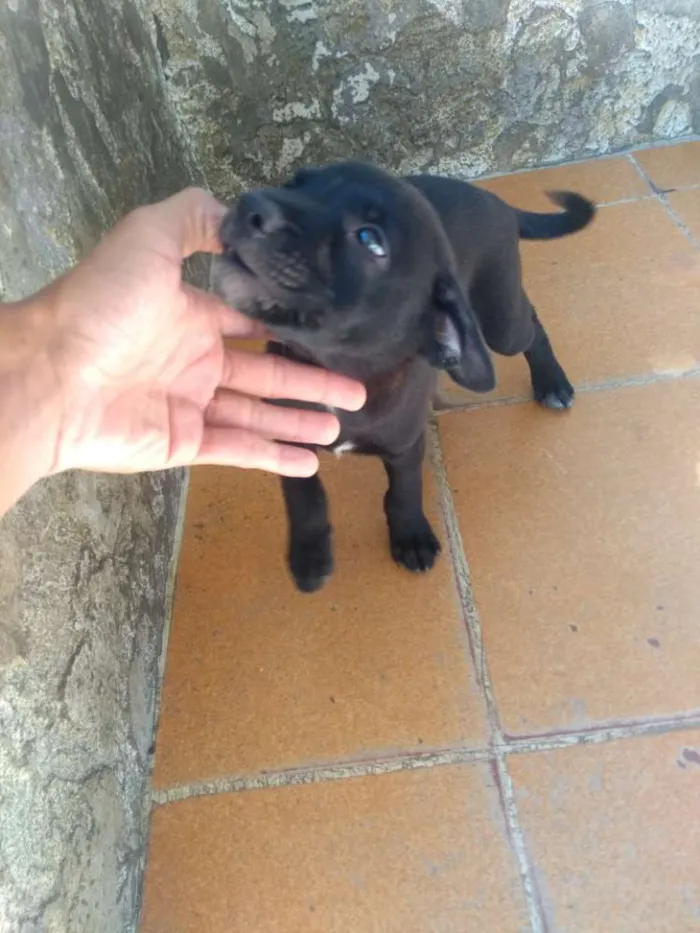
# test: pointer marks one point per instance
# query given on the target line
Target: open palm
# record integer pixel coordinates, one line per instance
(145, 379)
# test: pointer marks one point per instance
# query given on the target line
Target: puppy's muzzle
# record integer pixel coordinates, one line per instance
(258, 216)
(259, 238)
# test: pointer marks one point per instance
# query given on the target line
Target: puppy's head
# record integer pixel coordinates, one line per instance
(349, 261)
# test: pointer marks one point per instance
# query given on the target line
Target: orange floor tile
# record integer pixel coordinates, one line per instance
(401, 853)
(262, 677)
(582, 534)
(686, 204)
(671, 167)
(614, 832)
(512, 742)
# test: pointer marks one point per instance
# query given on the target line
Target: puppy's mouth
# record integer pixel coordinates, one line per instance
(248, 291)
(234, 258)
(283, 317)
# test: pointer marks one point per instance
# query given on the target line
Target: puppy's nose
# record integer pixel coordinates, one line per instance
(260, 214)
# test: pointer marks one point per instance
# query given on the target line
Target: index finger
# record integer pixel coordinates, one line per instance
(270, 376)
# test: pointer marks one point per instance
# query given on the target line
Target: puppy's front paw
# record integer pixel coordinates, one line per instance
(554, 391)
(414, 547)
(311, 563)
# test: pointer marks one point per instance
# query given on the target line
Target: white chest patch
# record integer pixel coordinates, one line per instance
(344, 448)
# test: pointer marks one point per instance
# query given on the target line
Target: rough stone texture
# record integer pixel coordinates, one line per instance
(85, 569)
(466, 86)
(86, 132)
(108, 103)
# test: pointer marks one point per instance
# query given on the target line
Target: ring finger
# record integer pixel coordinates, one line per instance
(229, 409)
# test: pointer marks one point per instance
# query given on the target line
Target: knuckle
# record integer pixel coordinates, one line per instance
(255, 416)
(278, 373)
(228, 368)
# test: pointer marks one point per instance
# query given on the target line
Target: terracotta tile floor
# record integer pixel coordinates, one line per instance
(511, 743)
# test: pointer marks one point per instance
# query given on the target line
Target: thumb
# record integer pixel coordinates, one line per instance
(192, 219)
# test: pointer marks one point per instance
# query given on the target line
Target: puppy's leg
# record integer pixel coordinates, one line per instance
(510, 325)
(549, 383)
(310, 554)
(411, 538)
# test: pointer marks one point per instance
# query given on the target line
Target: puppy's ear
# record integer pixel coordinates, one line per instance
(456, 344)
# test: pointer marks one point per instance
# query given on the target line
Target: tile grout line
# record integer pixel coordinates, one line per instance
(693, 186)
(638, 198)
(410, 761)
(528, 877)
(178, 538)
(600, 735)
(534, 902)
(473, 625)
(147, 793)
(620, 201)
(662, 197)
(634, 199)
(463, 580)
(603, 157)
(320, 774)
(623, 382)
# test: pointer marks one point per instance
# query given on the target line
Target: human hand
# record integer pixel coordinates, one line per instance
(143, 379)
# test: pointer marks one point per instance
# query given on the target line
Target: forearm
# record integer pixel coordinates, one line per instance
(29, 402)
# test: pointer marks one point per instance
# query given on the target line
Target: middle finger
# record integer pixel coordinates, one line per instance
(271, 376)
(229, 409)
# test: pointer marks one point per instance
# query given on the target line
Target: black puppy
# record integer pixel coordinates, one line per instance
(388, 280)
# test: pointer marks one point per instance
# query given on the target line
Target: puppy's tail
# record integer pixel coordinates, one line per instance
(578, 213)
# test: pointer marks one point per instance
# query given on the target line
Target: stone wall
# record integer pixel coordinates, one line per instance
(85, 562)
(108, 103)
(466, 86)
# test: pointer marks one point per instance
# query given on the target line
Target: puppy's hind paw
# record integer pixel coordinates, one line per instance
(311, 563)
(415, 549)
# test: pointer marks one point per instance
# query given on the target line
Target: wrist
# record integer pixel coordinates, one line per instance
(30, 398)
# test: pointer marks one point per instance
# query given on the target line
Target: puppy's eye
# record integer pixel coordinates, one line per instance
(373, 240)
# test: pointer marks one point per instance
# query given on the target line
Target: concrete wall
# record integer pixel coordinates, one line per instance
(85, 562)
(107, 103)
(468, 86)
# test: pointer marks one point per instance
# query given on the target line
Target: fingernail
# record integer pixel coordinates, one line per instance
(359, 399)
(299, 462)
(330, 432)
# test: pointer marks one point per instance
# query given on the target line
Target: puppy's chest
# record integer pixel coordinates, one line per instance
(345, 447)
(356, 435)
(378, 433)
(394, 415)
